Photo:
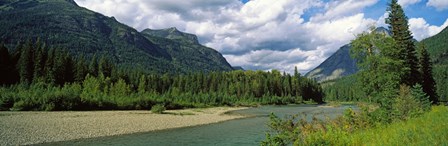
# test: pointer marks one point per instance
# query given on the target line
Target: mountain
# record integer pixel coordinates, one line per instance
(186, 52)
(339, 64)
(63, 24)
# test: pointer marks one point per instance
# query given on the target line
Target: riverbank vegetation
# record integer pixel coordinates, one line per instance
(37, 77)
(396, 83)
(355, 129)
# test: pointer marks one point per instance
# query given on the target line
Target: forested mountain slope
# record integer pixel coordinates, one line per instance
(437, 46)
(63, 24)
(185, 50)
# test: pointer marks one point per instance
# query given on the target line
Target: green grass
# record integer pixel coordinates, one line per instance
(429, 129)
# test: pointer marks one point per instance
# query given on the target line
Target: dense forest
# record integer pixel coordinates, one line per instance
(35, 77)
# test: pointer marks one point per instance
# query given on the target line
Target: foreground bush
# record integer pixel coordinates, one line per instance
(158, 109)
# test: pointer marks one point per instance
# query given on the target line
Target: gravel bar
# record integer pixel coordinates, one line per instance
(24, 128)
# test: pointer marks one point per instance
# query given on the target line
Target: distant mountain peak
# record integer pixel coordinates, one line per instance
(384, 31)
(172, 33)
(172, 29)
(336, 66)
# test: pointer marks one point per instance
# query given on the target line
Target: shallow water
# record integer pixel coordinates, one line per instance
(248, 131)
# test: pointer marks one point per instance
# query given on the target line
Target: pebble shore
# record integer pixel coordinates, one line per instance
(24, 128)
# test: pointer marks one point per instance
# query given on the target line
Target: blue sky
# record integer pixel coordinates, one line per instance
(272, 34)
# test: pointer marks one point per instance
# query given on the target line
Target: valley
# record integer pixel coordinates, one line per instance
(237, 72)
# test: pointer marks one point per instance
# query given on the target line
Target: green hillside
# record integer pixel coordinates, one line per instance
(63, 24)
(438, 47)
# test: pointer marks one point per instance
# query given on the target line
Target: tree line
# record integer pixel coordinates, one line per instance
(37, 77)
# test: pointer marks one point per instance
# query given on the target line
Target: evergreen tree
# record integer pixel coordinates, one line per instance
(398, 25)
(6, 66)
(105, 66)
(425, 68)
(93, 66)
(141, 89)
(69, 69)
(39, 62)
(50, 76)
(59, 67)
(15, 60)
(25, 64)
(296, 82)
(17, 52)
(81, 69)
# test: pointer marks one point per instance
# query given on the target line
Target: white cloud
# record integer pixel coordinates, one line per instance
(280, 60)
(381, 22)
(405, 3)
(421, 29)
(340, 30)
(261, 34)
(438, 4)
(338, 9)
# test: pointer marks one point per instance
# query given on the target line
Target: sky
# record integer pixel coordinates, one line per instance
(272, 34)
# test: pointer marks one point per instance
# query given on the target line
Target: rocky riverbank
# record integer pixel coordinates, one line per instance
(22, 128)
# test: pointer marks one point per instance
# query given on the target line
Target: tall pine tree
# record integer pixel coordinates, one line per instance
(105, 67)
(81, 69)
(398, 25)
(425, 67)
(25, 64)
(6, 66)
(50, 76)
(39, 62)
(93, 66)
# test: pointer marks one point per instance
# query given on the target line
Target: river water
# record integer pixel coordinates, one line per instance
(247, 131)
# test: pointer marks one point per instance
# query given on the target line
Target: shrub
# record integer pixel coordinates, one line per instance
(6, 102)
(410, 102)
(158, 109)
(18, 106)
